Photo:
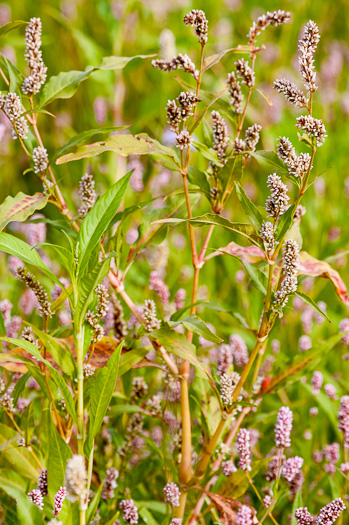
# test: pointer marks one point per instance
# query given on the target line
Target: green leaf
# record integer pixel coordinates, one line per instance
(2, 325)
(297, 503)
(251, 209)
(177, 343)
(28, 513)
(12, 483)
(59, 453)
(82, 137)
(22, 250)
(208, 153)
(92, 508)
(10, 26)
(214, 59)
(129, 359)
(114, 62)
(101, 396)
(212, 219)
(198, 178)
(207, 304)
(194, 122)
(98, 220)
(285, 222)
(15, 77)
(232, 171)
(313, 304)
(197, 326)
(63, 85)
(258, 278)
(20, 207)
(123, 145)
(124, 409)
(57, 378)
(87, 286)
(269, 161)
(20, 385)
(60, 354)
(18, 457)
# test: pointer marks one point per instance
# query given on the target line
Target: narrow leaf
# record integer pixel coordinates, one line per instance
(197, 326)
(313, 304)
(251, 209)
(101, 397)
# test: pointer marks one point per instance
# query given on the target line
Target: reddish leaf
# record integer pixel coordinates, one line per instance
(20, 207)
(308, 265)
(249, 254)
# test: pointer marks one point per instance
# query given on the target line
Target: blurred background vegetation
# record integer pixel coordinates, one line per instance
(78, 33)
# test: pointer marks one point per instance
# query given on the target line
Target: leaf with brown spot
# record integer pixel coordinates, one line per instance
(308, 265)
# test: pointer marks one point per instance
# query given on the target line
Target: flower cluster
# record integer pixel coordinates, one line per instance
(149, 315)
(273, 18)
(245, 72)
(228, 383)
(172, 494)
(235, 94)
(33, 56)
(110, 484)
(197, 19)
(243, 441)
(343, 419)
(283, 428)
(330, 512)
(178, 62)
(130, 512)
(87, 194)
(139, 388)
(278, 201)
(41, 295)
(313, 127)
(307, 47)
(267, 234)
(291, 92)
(59, 498)
(11, 105)
(244, 516)
(251, 140)
(290, 269)
(76, 479)
(40, 159)
(220, 135)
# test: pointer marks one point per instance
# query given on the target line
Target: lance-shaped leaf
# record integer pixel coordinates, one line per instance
(123, 145)
(83, 137)
(257, 276)
(251, 209)
(308, 265)
(269, 161)
(208, 153)
(177, 343)
(20, 458)
(87, 286)
(114, 63)
(249, 254)
(309, 360)
(25, 252)
(101, 396)
(10, 26)
(63, 85)
(214, 59)
(197, 326)
(57, 378)
(98, 219)
(59, 453)
(57, 350)
(20, 207)
(211, 219)
(313, 304)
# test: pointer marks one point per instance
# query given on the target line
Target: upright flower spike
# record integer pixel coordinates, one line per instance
(235, 94)
(228, 383)
(245, 72)
(110, 484)
(76, 479)
(33, 56)
(290, 269)
(292, 467)
(59, 499)
(243, 445)
(36, 497)
(172, 494)
(130, 512)
(307, 47)
(220, 135)
(244, 516)
(267, 234)
(278, 201)
(149, 314)
(343, 419)
(283, 428)
(197, 19)
(87, 194)
(40, 159)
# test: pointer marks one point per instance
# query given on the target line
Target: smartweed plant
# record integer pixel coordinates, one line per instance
(166, 407)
